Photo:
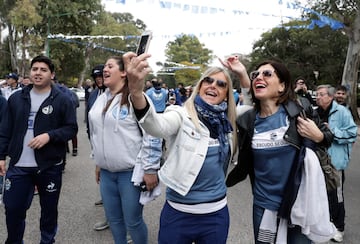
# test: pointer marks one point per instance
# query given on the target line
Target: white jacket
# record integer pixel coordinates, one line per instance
(187, 146)
(117, 140)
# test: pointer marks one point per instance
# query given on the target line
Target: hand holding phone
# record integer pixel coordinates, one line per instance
(143, 186)
(144, 42)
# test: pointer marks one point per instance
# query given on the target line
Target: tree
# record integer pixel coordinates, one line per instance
(29, 23)
(304, 51)
(347, 12)
(113, 24)
(67, 17)
(5, 7)
(23, 17)
(187, 48)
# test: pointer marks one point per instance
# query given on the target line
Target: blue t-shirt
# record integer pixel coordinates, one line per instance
(158, 97)
(209, 185)
(273, 159)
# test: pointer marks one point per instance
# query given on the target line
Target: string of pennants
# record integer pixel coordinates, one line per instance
(70, 39)
(199, 9)
(202, 9)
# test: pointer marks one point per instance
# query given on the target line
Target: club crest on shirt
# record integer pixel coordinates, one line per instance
(273, 136)
(47, 110)
(122, 114)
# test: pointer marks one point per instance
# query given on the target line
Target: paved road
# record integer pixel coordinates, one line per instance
(77, 213)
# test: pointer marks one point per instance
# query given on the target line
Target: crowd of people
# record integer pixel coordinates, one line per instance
(143, 134)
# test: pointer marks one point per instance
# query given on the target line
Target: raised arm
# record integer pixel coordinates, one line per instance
(137, 68)
(233, 64)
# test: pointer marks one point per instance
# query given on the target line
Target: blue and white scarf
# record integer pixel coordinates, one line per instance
(215, 119)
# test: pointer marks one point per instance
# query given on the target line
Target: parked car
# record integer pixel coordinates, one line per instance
(80, 92)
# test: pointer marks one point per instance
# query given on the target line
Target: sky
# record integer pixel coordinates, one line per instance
(223, 26)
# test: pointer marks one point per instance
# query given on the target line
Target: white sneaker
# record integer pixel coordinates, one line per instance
(101, 225)
(338, 237)
(128, 239)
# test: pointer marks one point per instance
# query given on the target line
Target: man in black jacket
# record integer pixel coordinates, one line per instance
(38, 122)
(301, 90)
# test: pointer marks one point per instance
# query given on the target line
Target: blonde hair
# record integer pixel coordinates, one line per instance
(231, 106)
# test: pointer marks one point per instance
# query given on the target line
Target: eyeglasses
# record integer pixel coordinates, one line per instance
(219, 83)
(300, 83)
(320, 94)
(266, 73)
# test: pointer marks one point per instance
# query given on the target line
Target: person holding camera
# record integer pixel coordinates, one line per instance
(301, 90)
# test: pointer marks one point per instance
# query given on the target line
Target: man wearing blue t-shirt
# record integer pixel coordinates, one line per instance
(158, 95)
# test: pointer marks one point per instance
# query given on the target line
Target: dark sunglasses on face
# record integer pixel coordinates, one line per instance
(266, 73)
(219, 83)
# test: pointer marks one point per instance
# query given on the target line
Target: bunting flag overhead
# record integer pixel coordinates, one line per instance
(205, 8)
(193, 8)
(70, 39)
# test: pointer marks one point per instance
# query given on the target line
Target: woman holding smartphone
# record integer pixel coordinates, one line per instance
(118, 144)
(201, 138)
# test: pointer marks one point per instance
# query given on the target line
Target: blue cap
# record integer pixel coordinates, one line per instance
(13, 76)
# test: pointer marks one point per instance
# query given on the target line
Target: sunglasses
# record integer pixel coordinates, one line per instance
(266, 73)
(320, 94)
(219, 83)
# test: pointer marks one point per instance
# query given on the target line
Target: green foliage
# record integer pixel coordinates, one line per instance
(187, 48)
(188, 77)
(305, 51)
(5, 63)
(115, 24)
(33, 20)
(24, 15)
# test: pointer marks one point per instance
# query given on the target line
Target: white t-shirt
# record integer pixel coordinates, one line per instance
(27, 158)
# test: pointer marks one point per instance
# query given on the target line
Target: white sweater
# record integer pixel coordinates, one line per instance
(116, 138)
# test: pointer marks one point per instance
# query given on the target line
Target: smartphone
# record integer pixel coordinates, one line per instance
(143, 186)
(144, 42)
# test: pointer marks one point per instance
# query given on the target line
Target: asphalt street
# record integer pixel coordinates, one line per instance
(78, 214)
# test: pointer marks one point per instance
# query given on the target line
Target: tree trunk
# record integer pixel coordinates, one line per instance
(23, 53)
(88, 51)
(351, 67)
(13, 49)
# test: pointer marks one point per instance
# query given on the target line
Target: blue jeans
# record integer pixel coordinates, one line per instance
(177, 227)
(18, 195)
(294, 235)
(122, 208)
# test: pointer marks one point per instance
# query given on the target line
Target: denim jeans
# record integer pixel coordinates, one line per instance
(294, 235)
(122, 208)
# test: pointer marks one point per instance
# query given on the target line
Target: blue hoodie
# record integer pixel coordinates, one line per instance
(57, 118)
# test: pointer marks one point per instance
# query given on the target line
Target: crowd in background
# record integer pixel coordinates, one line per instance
(183, 137)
